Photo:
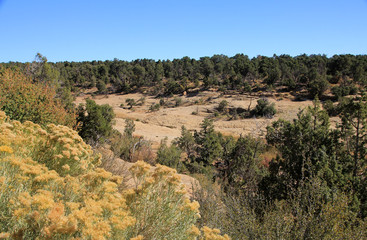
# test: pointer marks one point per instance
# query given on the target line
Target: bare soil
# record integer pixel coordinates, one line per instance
(167, 121)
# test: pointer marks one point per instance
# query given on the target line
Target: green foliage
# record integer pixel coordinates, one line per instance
(174, 77)
(330, 108)
(169, 156)
(129, 147)
(129, 128)
(130, 102)
(222, 107)
(205, 149)
(95, 121)
(67, 99)
(247, 87)
(318, 86)
(209, 148)
(101, 86)
(178, 101)
(265, 108)
(173, 87)
(43, 72)
(341, 91)
(308, 149)
(304, 215)
(243, 169)
(187, 143)
(122, 144)
(154, 107)
(140, 101)
(354, 133)
(23, 100)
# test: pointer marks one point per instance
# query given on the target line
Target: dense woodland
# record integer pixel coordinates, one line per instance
(305, 180)
(309, 75)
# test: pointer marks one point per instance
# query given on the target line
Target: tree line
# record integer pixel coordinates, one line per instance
(310, 74)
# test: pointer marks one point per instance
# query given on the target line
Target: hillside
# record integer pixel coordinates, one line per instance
(269, 162)
(167, 121)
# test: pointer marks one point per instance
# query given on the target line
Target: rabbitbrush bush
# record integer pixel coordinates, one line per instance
(51, 188)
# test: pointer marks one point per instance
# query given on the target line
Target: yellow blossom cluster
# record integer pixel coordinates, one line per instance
(159, 199)
(71, 206)
(55, 146)
(213, 234)
(6, 149)
(139, 237)
(37, 202)
(50, 188)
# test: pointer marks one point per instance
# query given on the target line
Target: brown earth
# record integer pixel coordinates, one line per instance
(167, 121)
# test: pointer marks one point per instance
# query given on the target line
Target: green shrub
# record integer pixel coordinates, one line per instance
(141, 101)
(169, 155)
(341, 91)
(130, 102)
(222, 107)
(101, 86)
(317, 87)
(154, 107)
(122, 144)
(247, 87)
(265, 108)
(178, 101)
(23, 100)
(95, 121)
(332, 110)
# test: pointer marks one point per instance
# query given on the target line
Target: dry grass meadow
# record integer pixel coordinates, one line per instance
(167, 121)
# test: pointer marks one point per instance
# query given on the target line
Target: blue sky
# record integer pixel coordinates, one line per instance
(79, 30)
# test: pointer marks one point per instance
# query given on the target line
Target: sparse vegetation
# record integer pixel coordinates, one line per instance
(130, 102)
(222, 107)
(178, 101)
(154, 107)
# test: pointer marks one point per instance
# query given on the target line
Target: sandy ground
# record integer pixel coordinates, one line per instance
(167, 122)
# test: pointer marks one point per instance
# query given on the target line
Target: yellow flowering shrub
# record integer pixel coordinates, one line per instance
(59, 207)
(51, 188)
(212, 234)
(58, 147)
(47, 196)
(159, 204)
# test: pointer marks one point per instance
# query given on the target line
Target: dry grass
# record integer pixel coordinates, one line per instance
(167, 122)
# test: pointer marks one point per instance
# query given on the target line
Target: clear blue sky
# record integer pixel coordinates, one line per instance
(80, 30)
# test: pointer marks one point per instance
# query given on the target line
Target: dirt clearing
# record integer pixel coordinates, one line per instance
(167, 121)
